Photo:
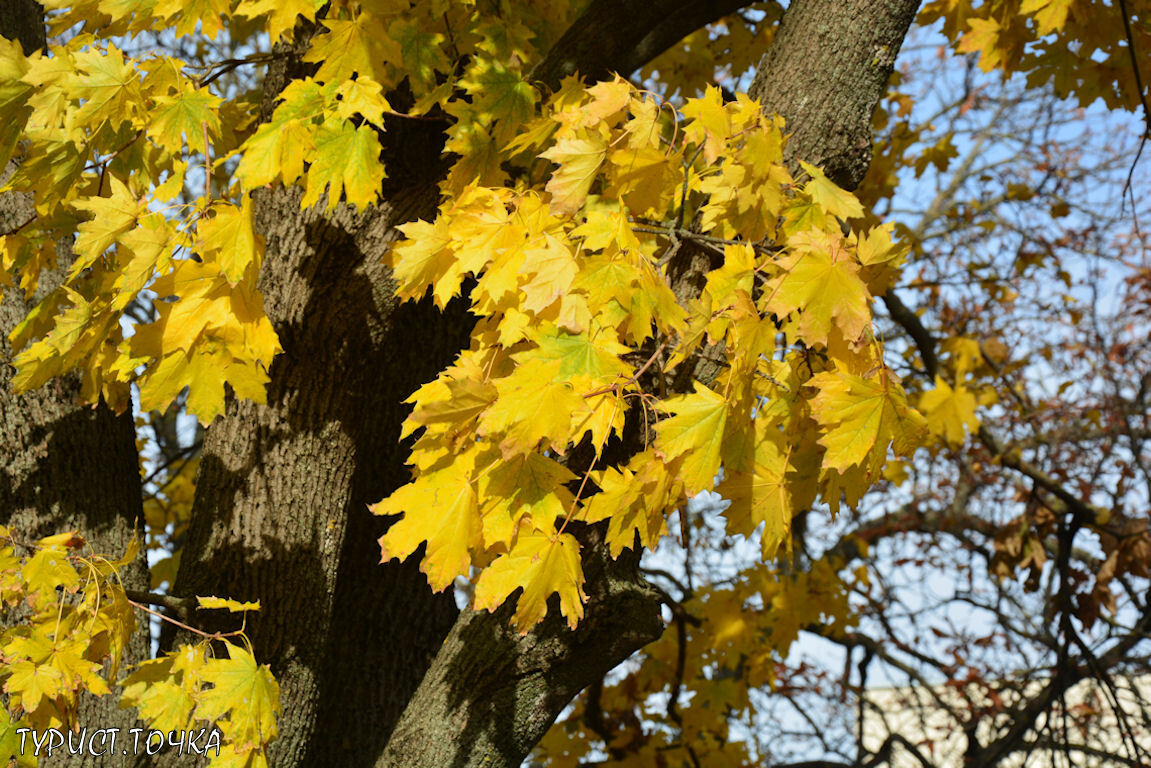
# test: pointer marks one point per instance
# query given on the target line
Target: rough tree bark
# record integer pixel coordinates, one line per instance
(64, 466)
(825, 72)
(280, 513)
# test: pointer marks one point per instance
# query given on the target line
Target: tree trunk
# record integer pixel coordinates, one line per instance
(64, 466)
(825, 73)
(281, 504)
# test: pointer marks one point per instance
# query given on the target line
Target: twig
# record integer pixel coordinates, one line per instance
(181, 605)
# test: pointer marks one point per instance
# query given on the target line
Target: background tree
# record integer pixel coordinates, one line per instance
(739, 297)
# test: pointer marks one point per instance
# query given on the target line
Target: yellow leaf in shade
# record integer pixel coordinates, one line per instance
(439, 507)
(76, 671)
(180, 118)
(949, 411)
(347, 161)
(162, 703)
(861, 417)
(189, 14)
(695, 433)
(535, 403)
(824, 193)
(500, 95)
(761, 496)
(10, 741)
(608, 99)
(230, 238)
(421, 51)
(633, 500)
(235, 606)
(49, 568)
(579, 158)
(541, 564)
(645, 178)
(821, 281)
(1051, 15)
(244, 690)
(983, 37)
(111, 217)
(710, 123)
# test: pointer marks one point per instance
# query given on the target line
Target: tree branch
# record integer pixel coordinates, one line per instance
(622, 36)
(491, 694)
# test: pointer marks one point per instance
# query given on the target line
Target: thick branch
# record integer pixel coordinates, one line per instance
(491, 694)
(614, 36)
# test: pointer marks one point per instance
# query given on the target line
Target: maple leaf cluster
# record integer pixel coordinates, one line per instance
(75, 622)
(579, 325)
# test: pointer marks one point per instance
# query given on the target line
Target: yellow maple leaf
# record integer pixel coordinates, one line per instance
(109, 86)
(824, 193)
(542, 564)
(49, 568)
(820, 279)
(281, 14)
(234, 606)
(180, 118)
(531, 484)
(579, 158)
(710, 123)
(33, 683)
(441, 508)
(162, 703)
(551, 269)
(861, 417)
(354, 45)
(1051, 15)
(761, 496)
(244, 690)
(535, 403)
(499, 95)
(230, 238)
(347, 160)
(949, 411)
(983, 37)
(143, 251)
(633, 500)
(188, 14)
(695, 433)
(112, 216)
